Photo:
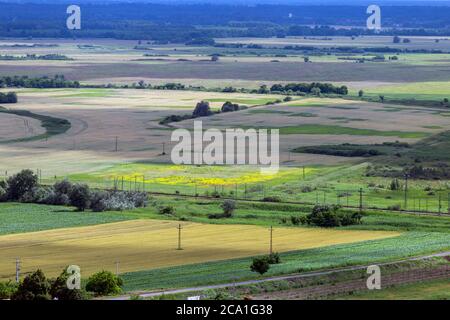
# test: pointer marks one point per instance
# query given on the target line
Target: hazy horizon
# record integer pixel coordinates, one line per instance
(249, 2)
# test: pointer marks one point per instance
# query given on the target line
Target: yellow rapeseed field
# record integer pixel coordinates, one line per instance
(146, 244)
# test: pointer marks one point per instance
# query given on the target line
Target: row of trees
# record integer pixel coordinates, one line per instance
(51, 56)
(24, 187)
(37, 287)
(307, 88)
(202, 109)
(58, 81)
(10, 97)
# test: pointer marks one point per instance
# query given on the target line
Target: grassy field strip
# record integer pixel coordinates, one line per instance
(147, 244)
(429, 290)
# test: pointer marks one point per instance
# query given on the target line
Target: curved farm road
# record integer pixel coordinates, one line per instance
(278, 278)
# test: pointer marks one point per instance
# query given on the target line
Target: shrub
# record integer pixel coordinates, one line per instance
(324, 216)
(348, 218)
(59, 290)
(271, 199)
(228, 207)
(307, 189)
(260, 265)
(80, 196)
(3, 194)
(395, 185)
(49, 196)
(98, 201)
(63, 187)
(139, 199)
(202, 109)
(274, 258)
(295, 220)
(167, 210)
(215, 194)
(34, 287)
(117, 200)
(229, 107)
(104, 283)
(331, 216)
(395, 207)
(21, 183)
(7, 289)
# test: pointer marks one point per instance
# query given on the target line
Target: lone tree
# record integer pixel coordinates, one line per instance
(80, 196)
(229, 107)
(202, 109)
(228, 207)
(360, 93)
(260, 265)
(21, 183)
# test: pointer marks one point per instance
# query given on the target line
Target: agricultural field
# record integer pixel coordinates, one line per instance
(346, 150)
(148, 244)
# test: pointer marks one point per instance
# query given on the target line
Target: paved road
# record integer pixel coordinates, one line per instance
(278, 278)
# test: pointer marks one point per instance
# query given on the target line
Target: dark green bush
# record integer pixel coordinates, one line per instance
(271, 199)
(60, 291)
(228, 207)
(104, 283)
(167, 210)
(34, 287)
(274, 258)
(7, 289)
(21, 183)
(260, 265)
(80, 196)
(331, 216)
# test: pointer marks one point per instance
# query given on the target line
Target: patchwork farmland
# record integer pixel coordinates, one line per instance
(377, 155)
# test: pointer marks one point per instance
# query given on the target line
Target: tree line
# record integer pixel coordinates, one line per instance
(185, 23)
(307, 88)
(57, 81)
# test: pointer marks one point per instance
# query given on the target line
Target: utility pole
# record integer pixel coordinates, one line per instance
(271, 240)
(164, 149)
(117, 268)
(17, 270)
(360, 200)
(143, 183)
(117, 142)
(440, 204)
(304, 175)
(179, 237)
(406, 191)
